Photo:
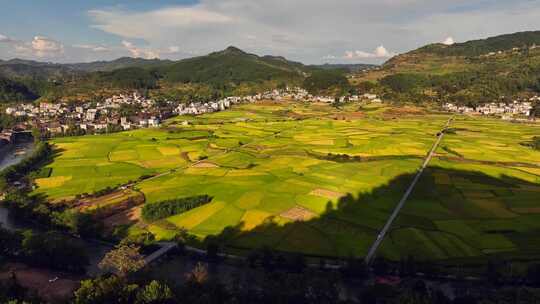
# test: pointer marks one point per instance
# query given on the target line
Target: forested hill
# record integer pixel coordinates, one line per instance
(485, 46)
(120, 63)
(232, 66)
(474, 72)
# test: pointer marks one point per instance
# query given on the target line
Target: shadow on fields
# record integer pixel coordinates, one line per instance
(477, 204)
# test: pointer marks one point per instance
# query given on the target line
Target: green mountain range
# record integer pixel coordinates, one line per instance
(232, 66)
(476, 71)
(231, 71)
(472, 72)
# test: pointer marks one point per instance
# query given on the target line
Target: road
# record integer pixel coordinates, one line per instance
(380, 237)
(165, 248)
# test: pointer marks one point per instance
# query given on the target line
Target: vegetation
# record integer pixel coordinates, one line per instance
(49, 249)
(133, 78)
(536, 143)
(469, 73)
(231, 71)
(230, 67)
(12, 91)
(484, 46)
(123, 260)
(168, 208)
(327, 82)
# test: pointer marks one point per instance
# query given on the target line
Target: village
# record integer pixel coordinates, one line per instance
(131, 111)
(515, 110)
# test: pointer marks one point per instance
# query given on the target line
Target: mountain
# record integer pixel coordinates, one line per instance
(328, 82)
(485, 46)
(19, 68)
(120, 63)
(226, 72)
(232, 66)
(471, 72)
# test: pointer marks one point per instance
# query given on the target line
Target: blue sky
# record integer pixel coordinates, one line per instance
(311, 31)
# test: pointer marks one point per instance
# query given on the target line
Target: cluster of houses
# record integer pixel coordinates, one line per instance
(504, 110)
(511, 51)
(92, 117)
(54, 119)
(197, 108)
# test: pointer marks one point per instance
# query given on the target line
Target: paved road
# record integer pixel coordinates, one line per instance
(384, 231)
(165, 247)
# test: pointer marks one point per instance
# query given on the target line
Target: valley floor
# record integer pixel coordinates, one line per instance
(318, 180)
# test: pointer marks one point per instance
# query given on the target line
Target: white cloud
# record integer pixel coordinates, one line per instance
(46, 47)
(95, 48)
(379, 53)
(448, 41)
(173, 49)
(139, 52)
(6, 39)
(142, 25)
(329, 57)
(304, 30)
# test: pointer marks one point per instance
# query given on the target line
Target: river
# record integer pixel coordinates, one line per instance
(11, 155)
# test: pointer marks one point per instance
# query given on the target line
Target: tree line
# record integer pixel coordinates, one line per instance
(167, 208)
(43, 249)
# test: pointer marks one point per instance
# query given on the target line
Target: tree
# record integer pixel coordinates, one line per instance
(36, 134)
(77, 222)
(123, 260)
(53, 250)
(199, 274)
(155, 293)
(106, 290)
(10, 242)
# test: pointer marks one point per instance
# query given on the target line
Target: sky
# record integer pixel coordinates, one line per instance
(309, 31)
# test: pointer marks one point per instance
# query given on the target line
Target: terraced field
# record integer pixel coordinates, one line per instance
(322, 181)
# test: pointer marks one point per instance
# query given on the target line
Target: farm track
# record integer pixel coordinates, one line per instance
(380, 237)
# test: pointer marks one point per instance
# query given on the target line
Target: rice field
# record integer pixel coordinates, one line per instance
(322, 181)
(480, 198)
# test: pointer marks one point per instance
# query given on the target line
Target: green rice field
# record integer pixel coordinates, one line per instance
(322, 181)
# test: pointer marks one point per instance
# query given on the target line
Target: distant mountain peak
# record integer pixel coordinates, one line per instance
(233, 50)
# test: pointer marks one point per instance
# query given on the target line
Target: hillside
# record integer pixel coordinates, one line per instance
(232, 66)
(18, 68)
(471, 72)
(14, 91)
(231, 71)
(227, 72)
(327, 82)
(485, 46)
(120, 63)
